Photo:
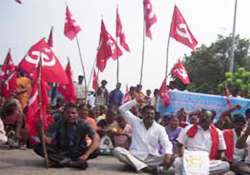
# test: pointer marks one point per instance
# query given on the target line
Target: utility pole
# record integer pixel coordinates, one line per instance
(231, 69)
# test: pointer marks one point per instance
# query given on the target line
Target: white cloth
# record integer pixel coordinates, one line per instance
(247, 158)
(238, 153)
(215, 166)
(80, 91)
(196, 162)
(145, 141)
(126, 157)
(3, 138)
(201, 141)
(91, 100)
(155, 101)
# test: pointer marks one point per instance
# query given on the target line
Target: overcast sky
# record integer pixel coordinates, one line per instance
(23, 25)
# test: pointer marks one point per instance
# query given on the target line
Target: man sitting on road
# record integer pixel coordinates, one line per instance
(67, 146)
(203, 136)
(147, 134)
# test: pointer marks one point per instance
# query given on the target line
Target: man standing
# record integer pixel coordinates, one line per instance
(147, 134)
(67, 145)
(102, 94)
(116, 96)
(80, 90)
(155, 100)
(23, 89)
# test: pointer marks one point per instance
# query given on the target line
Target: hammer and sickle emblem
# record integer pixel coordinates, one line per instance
(183, 32)
(182, 72)
(48, 58)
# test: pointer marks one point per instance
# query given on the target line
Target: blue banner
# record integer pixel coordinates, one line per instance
(191, 101)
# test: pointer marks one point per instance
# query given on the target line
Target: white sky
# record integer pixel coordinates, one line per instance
(23, 25)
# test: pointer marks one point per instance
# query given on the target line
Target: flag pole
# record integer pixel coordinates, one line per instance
(143, 48)
(231, 69)
(68, 60)
(167, 53)
(97, 74)
(83, 69)
(46, 160)
(117, 63)
(117, 58)
(91, 73)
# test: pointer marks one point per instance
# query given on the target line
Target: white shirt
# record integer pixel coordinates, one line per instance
(145, 141)
(80, 91)
(201, 141)
(238, 153)
(155, 101)
(3, 137)
(91, 100)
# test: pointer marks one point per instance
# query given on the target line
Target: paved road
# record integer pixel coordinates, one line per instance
(18, 162)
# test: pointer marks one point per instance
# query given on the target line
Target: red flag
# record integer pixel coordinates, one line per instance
(119, 33)
(19, 1)
(51, 67)
(107, 48)
(50, 40)
(180, 72)
(33, 111)
(9, 84)
(95, 81)
(68, 90)
(164, 93)
(149, 17)
(7, 67)
(70, 28)
(180, 30)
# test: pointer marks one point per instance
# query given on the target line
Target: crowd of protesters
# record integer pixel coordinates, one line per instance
(129, 127)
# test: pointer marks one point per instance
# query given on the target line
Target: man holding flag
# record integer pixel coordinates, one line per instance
(67, 145)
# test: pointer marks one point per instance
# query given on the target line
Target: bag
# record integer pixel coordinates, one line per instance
(106, 146)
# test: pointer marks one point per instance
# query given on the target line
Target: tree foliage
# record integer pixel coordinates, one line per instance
(208, 65)
(237, 82)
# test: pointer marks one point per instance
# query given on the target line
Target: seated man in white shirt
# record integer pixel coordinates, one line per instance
(203, 136)
(146, 137)
(232, 136)
(243, 142)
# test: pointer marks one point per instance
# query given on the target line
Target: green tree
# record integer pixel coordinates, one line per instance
(238, 82)
(208, 65)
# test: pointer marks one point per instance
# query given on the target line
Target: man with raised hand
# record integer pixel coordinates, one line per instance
(147, 134)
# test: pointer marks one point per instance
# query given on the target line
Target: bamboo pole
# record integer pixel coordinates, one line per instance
(117, 58)
(167, 53)
(91, 73)
(46, 160)
(117, 64)
(143, 50)
(83, 69)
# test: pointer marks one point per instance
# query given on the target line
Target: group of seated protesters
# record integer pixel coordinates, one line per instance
(138, 137)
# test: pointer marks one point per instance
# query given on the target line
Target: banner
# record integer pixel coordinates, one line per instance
(191, 101)
(196, 163)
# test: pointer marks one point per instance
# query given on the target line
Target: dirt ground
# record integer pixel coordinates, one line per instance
(19, 162)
